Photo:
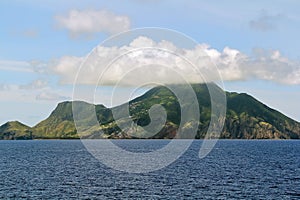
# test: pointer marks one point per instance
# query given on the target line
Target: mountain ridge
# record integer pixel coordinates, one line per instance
(246, 118)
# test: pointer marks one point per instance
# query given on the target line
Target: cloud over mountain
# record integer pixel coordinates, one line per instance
(145, 58)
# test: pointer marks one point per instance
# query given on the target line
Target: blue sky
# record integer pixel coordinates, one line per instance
(36, 37)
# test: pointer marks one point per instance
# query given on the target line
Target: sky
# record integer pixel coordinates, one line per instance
(254, 44)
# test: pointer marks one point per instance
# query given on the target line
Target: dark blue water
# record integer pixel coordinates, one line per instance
(235, 169)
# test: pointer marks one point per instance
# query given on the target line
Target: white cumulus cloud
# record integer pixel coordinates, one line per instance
(146, 59)
(67, 68)
(88, 22)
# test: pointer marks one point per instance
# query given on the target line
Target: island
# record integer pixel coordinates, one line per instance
(246, 118)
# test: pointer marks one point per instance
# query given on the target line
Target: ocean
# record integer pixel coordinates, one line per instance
(234, 169)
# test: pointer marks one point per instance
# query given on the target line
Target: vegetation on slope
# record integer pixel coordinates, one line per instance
(246, 118)
(15, 131)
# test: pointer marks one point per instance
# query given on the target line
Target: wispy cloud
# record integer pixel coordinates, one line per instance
(37, 90)
(232, 64)
(265, 21)
(89, 22)
(30, 33)
(27, 33)
(33, 66)
(51, 96)
(20, 66)
(35, 85)
(8, 87)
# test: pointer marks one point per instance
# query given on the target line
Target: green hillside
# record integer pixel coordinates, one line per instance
(15, 131)
(246, 118)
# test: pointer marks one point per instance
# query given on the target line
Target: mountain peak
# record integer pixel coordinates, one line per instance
(14, 124)
(14, 130)
(246, 118)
